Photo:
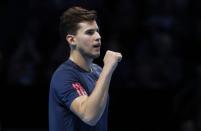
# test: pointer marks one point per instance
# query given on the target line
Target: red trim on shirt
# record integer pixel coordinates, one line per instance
(78, 87)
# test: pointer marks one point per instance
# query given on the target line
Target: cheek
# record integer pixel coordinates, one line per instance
(85, 42)
(84, 47)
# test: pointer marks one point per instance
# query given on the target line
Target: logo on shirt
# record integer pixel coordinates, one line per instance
(80, 90)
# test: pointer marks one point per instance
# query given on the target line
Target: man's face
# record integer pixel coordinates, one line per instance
(88, 40)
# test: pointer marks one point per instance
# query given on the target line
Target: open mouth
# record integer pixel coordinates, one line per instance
(97, 45)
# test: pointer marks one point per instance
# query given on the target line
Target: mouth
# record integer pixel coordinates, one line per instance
(98, 45)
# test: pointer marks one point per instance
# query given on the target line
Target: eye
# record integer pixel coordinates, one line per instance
(90, 32)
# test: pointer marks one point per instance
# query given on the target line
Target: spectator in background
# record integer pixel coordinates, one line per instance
(157, 64)
(24, 62)
(23, 65)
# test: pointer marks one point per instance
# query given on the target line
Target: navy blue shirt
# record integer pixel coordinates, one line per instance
(68, 82)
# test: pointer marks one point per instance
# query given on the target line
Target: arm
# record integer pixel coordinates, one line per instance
(90, 108)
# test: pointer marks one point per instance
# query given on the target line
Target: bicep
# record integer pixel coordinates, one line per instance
(78, 106)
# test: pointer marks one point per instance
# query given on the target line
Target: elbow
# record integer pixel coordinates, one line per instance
(92, 121)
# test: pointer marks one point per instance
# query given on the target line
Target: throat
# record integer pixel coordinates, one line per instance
(82, 63)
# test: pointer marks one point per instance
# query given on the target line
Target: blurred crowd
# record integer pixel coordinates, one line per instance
(159, 41)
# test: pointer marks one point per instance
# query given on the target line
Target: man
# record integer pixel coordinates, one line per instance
(78, 97)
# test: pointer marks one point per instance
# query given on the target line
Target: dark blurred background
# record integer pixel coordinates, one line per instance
(157, 86)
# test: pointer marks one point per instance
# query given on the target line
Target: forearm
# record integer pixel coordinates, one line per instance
(95, 104)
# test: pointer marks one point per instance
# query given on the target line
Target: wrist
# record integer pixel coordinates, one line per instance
(107, 70)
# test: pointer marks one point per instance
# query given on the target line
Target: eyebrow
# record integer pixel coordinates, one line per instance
(95, 29)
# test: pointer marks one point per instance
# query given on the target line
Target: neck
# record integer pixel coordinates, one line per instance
(80, 60)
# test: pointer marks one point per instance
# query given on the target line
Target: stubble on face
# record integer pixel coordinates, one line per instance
(88, 40)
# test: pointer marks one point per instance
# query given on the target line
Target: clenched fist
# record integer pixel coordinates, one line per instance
(111, 59)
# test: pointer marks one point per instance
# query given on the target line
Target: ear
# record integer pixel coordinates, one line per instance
(70, 39)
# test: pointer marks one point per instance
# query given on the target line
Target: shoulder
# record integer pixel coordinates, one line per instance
(64, 73)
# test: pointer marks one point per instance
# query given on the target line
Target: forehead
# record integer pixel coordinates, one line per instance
(88, 25)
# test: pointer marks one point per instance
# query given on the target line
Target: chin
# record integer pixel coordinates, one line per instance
(94, 56)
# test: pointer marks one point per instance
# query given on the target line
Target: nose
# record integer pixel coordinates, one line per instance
(98, 37)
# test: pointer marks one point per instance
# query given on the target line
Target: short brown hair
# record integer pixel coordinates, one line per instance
(72, 17)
